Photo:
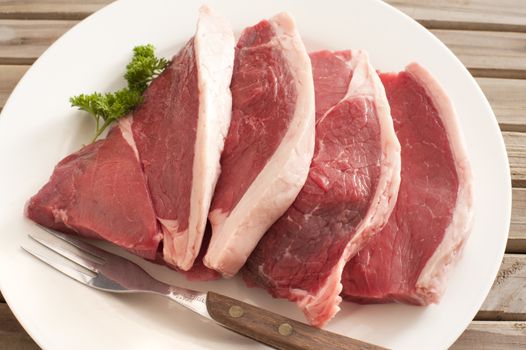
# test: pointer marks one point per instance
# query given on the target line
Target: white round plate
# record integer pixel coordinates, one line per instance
(38, 128)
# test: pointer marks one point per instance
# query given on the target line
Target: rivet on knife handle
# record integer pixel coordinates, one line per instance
(275, 330)
(285, 329)
(235, 311)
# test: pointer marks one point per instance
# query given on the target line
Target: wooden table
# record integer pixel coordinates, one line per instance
(488, 36)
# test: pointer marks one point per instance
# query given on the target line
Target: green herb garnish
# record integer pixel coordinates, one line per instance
(144, 67)
(107, 108)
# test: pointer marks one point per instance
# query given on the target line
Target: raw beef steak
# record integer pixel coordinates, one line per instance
(180, 129)
(349, 194)
(198, 272)
(100, 192)
(270, 141)
(407, 262)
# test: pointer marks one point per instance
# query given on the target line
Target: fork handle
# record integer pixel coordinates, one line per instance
(275, 330)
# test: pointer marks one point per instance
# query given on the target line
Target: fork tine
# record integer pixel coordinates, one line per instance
(67, 250)
(96, 252)
(76, 274)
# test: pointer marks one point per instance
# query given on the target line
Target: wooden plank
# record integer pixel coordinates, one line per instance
(10, 77)
(22, 42)
(492, 335)
(480, 334)
(12, 335)
(517, 235)
(505, 15)
(488, 54)
(49, 9)
(508, 15)
(507, 98)
(506, 300)
(516, 147)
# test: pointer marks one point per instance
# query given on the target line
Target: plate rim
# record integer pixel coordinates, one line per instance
(509, 194)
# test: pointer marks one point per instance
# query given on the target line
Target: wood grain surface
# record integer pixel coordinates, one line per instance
(517, 234)
(492, 335)
(507, 15)
(12, 335)
(275, 330)
(9, 77)
(488, 54)
(489, 37)
(49, 9)
(506, 300)
(506, 97)
(516, 147)
(22, 42)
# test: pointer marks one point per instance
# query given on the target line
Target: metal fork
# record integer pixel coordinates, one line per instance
(105, 271)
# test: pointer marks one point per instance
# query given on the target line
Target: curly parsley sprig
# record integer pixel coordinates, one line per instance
(107, 108)
(144, 67)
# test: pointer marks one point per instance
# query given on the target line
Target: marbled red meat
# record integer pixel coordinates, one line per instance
(408, 261)
(179, 130)
(100, 192)
(350, 191)
(270, 142)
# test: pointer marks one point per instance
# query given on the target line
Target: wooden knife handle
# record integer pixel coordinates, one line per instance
(275, 330)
